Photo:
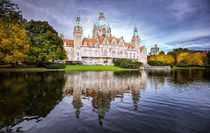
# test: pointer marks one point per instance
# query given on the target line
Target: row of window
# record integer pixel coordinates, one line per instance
(105, 46)
(91, 44)
(105, 53)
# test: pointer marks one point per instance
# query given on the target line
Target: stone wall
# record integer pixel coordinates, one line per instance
(158, 67)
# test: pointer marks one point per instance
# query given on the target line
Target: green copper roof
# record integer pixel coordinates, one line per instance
(135, 34)
(77, 23)
(102, 23)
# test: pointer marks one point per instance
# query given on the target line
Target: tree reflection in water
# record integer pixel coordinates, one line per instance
(28, 94)
(32, 95)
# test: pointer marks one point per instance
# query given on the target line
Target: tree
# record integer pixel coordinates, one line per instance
(46, 44)
(162, 53)
(196, 60)
(208, 58)
(176, 52)
(14, 44)
(10, 13)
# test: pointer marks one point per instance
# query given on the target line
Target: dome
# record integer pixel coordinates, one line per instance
(102, 23)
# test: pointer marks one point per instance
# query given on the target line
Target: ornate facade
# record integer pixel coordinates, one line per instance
(102, 48)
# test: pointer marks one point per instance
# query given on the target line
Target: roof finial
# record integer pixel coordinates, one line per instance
(101, 17)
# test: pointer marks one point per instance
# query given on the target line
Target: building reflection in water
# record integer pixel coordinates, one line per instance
(103, 87)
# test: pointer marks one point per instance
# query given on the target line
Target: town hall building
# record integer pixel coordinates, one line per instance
(102, 48)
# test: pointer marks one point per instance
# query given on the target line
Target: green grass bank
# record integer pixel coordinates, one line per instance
(177, 68)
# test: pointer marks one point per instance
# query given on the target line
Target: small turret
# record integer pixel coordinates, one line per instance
(136, 39)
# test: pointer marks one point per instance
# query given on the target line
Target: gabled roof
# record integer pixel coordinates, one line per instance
(141, 48)
(69, 43)
(129, 45)
(118, 40)
(110, 39)
(101, 39)
(88, 41)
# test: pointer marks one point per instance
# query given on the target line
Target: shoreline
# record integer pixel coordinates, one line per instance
(85, 68)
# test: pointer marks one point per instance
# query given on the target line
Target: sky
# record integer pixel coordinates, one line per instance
(168, 23)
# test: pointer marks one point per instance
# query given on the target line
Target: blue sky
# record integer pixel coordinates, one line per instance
(168, 23)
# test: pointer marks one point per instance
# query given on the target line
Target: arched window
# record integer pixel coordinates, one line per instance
(90, 53)
(118, 53)
(130, 55)
(105, 52)
(96, 45)
(84, 52)
(91, 44)
(121, 53)
(96, 53)
(113, 53)
(85, 44)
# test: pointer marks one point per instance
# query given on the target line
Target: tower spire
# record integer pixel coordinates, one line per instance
(101, 17)
(135, 32)
(78, 19)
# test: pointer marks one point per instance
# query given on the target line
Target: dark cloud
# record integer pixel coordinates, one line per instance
(170, 24)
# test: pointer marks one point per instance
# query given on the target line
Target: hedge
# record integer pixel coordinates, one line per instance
(56, 66)
(125, 63)
(158, 63)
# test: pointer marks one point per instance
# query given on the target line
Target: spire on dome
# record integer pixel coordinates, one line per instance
(101, 17)
(135, 32)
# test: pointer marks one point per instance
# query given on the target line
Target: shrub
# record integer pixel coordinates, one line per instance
(182, 65)
(158, 63)
(125, 63)
(56, 66)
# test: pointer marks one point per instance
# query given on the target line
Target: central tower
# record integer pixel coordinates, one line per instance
(101, 27)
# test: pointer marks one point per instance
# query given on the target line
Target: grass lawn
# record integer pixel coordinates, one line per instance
(175, 67)
(92, 67)
(68, 67)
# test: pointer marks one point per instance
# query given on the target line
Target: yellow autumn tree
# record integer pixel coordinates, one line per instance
(183, 57)
(195, 60)
(14, 44)
(169, 59)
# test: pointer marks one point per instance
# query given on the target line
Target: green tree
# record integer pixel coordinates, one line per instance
(10, 13)
(46, 44)
(162, 53)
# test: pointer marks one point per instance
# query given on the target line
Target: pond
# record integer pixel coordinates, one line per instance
(175, 101)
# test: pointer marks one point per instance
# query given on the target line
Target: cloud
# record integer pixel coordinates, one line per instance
(170, 24)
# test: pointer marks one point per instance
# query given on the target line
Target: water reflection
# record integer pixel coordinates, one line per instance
(28, 96)
(103, 87)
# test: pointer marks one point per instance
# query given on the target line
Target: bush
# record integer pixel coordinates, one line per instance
(182, 65)
(125, 63)
(56, 66)
(158, 63)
